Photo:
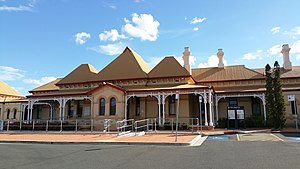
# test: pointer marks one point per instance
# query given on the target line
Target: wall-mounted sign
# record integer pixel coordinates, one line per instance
(240, 114)
(231, 114)
(291, 98)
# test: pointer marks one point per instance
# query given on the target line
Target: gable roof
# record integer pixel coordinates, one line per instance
(83, 73)
(128, 65)
(294, 72)
(168, 67)
(228, 73)
(5, 89)
(48, 86)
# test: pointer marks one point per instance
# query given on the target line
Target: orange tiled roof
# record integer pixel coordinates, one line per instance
(128, 65)
(168, 67)
(294, 72)
(5, 89)
(48, 86)
(239, 72)
(83, 73)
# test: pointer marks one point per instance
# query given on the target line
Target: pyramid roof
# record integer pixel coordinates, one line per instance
(5, 89)
(83, 73)
(168, 67)
(128, 65)
(48, 86)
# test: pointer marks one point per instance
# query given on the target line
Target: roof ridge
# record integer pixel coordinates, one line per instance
(140, 61)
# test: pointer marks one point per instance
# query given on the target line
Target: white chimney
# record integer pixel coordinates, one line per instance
(287, 64)
(220, 55)
(186, 59)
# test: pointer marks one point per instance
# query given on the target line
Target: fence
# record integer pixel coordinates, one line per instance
(100, 125)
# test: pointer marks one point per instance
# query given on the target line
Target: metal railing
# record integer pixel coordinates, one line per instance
(144, 125)
(123, 125)
(100, 125)
(107, 125)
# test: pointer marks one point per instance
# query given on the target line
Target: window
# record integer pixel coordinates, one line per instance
(8, 112)
(112, 106)
(293, 107)
(172, 108)
(137, 106)
(232, 102)
(15, 113)
(71, 108)
(102, 107)
(256, 111)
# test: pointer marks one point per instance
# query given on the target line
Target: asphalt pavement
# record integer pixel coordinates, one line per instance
(228, 153)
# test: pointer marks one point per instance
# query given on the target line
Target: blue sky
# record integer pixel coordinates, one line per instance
(44, 39)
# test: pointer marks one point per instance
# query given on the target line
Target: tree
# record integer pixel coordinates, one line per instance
(279, 104)
(269, 96)
(275, 105)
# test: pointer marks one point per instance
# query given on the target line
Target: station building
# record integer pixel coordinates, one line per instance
(127, 88)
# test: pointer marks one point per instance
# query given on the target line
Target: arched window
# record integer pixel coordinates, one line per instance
(102, 107)
(15, 113)
(112, 106)
(8, 112)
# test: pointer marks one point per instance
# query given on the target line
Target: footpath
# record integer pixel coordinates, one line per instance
(166, 138)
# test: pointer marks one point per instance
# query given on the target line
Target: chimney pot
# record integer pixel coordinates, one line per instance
(220, 55)
(287, 64)
(186, 59)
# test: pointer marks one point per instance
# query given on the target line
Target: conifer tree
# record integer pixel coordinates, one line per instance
(279, 105)
(269, 96)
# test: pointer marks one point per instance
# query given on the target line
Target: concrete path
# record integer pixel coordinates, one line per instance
(184, 139)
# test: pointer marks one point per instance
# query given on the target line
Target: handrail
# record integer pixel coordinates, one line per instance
(121, 125)
(107, 125)
(136, 127)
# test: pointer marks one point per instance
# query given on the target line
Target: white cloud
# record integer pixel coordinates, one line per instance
(275, 30)
(39, 82)
(294, 32)
(196, 29)
(275, 50)
(10, 73)
(253, 56)
(298, 57)
(110, 49)
(112, 35)
(192, 60)
(142, 26)
(295, 47)
(82, 37)
(196, 20)
(213, 61)
(20, 8)
(15, 8)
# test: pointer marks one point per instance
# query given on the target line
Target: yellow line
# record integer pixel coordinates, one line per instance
(238, 137)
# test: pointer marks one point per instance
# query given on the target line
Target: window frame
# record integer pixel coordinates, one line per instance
(102, 106)
(7, 113)
(112, 106)
(15, 113)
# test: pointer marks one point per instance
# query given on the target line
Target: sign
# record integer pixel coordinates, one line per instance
(231, 114)
(291, 98)
(177, 95)
(240, 114)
